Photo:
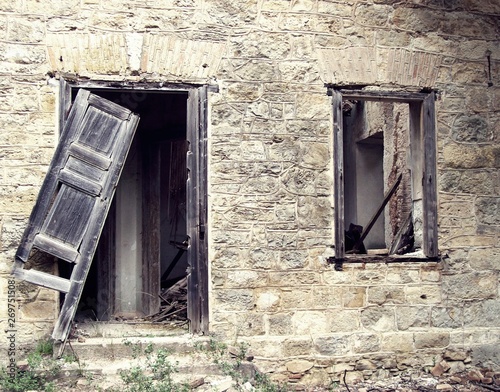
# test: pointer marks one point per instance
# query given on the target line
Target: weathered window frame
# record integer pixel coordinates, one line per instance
(423, 150)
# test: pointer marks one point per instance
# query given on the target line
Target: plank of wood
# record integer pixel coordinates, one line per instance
(55, 248)
(84, 184)
(338, 162)
(193, 211)
(86, 154)
(151, 265)
(203, 293)
(430, 177)
(43, 279)
(383, 96)
(377, 213)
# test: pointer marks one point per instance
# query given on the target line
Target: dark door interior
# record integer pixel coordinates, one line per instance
(143, 247)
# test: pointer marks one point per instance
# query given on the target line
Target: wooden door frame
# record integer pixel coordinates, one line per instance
(196, 134)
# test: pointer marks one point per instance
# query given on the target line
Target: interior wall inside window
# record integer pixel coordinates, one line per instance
(376, 146)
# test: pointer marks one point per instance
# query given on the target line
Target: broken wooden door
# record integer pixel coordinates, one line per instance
(75, 197)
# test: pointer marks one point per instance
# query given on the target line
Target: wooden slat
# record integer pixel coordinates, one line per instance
(338, 162)
(86, 154)
(43, 279)
(69, 216)
(79, 182)
(429, 177)
(382, 96)
(110, 107)
(151, 224)
(388, 259)
(203, 214)
(193, 218)
(55, 248)
(64, 103)
(416, 155)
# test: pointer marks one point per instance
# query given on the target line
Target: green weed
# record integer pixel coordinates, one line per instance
(155, 375)
(231, 364)
(40, 370)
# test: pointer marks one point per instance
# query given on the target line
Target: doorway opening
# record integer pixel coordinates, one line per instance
(149, 264)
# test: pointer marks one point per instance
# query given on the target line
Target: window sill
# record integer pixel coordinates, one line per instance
(414, 257)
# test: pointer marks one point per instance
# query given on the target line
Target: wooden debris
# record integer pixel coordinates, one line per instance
(173, 306)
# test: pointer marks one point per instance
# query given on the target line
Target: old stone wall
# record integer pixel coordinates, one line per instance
(270, 165)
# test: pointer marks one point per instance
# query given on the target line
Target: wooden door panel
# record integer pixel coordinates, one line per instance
(75, 197)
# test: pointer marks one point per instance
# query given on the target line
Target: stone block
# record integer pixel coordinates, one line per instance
(262, 258)
(380, 295)
(488, 210)
(471, 128)
(412, 317)
(468, 157)
(296, 299)
(425, 340)
(230, 257)
(343, 320)
(302, 128)
(292, 279)
(338, 277)
(486, 356)
(423, 294)
(446, 317)
(312, 106)
(234, 299)
(267, 300)
(369, 276)
(364, 343)
(353, 377)
(332, 345)
(326, 297)
(238, 91)
(36, 311)
(293, 259)
(473, 285)
(281, 239)
(245, 279)
(250, 324)
(453, 354)
(310, 323)
(397, 342)
(481, 314)
(354, 297)
(295, 347)
(298, 366)
(280, 324)
(378, 318)
(365, 364)
(485, 259)
(373, 15)
(471, 182)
